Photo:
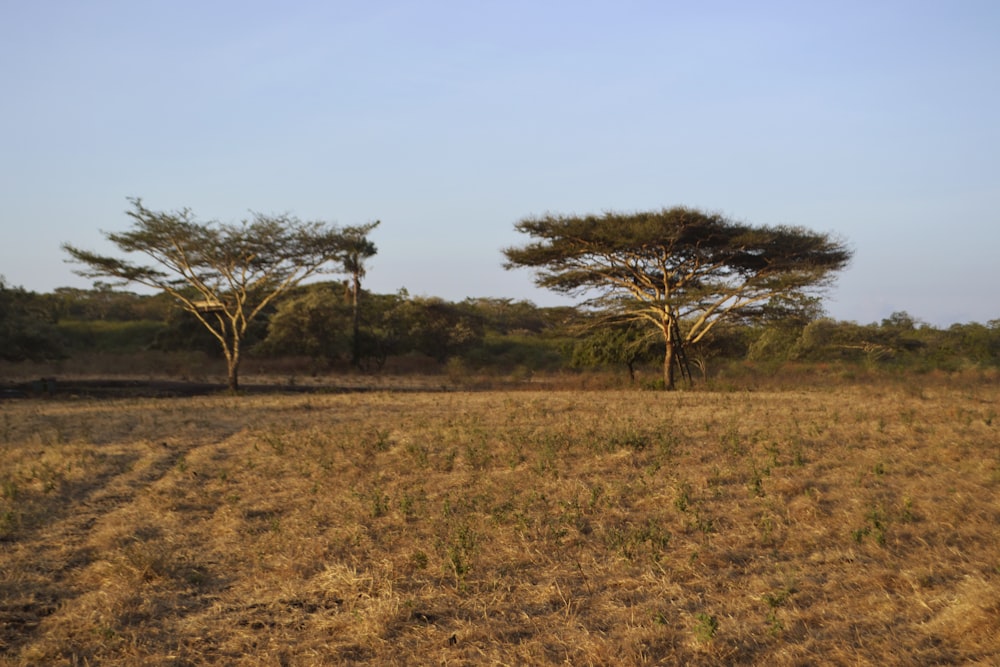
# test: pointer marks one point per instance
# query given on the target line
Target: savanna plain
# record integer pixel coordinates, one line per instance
(849, 525)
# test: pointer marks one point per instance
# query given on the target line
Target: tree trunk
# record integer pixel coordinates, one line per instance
(668, 355)
(356, 323)
(668, 366)
(233, 362)
(234, 380)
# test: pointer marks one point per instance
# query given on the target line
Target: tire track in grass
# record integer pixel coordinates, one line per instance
(40, 563)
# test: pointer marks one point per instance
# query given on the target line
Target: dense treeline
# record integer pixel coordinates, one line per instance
(315, 322)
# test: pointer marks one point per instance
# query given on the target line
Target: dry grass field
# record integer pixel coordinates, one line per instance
(852, 526)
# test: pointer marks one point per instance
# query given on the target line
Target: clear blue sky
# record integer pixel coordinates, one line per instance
(878, 120)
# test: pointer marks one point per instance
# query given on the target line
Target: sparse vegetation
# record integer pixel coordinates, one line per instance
(844, 525)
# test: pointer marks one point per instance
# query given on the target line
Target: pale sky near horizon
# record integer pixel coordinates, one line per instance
(876, 120)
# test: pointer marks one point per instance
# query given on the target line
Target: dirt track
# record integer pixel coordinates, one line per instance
(116, 388)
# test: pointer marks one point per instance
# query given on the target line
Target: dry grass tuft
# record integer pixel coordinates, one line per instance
(846, 526)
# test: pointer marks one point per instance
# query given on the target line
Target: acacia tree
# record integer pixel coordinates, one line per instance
(223, 274)
(679, 270)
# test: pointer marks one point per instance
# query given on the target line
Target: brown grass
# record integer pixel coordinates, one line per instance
(847, 526)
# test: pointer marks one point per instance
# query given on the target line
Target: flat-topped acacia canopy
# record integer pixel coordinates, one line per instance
(681, 270)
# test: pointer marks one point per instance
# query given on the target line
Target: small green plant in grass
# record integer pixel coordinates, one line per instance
(460, 552)
(876, 525)
(682, 498)
(448, 464)
(666, 447)
(617, 539)
(378, 502)
(879, 524)
(596, 493)
(419, 453)
(48, 475)
(379, 440)
(516, 455)
(766, 527)
(419, 560)
(774, 625)
(775, 601)
(274, 441)
(478, 455)
(701, 523)
(500, 513)
(716, 481)
(756, 480)
(906, 514)
(629, 438)
(705, 627)
(556, 529)
(408, 505)
(731, 442)
(656, 535)
(798, 455)
(774, 451)
(628, 540)
(546, 462)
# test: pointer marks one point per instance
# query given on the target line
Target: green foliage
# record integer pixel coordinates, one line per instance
(27, 329)
(318, 323)
(630, 540)
(616, 343)
(182, 332)
(506, 316)
(105, 303)
(534, 352)
(483, 335)
(437, 328)
(314, 323)
(705, 627)
(875, 526)
(899, 342)
(110, 335)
